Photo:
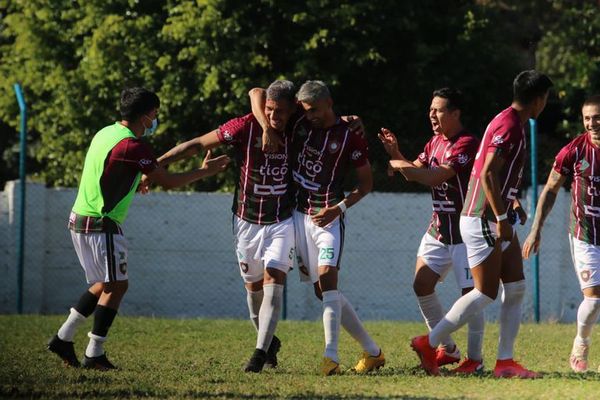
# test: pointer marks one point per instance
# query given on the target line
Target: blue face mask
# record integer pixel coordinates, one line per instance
(150, 131)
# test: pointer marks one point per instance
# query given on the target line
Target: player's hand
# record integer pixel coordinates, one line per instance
(355, 125)
(270, 140)
(390, 143)
(326, 215)
(213, 166)
(532, 244)
(504, 230)
(144, 186)
(394, 165)
(521, 215)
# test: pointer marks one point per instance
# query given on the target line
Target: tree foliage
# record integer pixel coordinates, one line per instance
(382, 59)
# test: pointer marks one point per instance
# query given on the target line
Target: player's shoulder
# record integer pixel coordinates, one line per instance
(577, 143)
(467, 138)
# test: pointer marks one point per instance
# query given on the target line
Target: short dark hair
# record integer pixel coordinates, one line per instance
(529, 85)
(593, 100)
(453, 96)
(137, 101)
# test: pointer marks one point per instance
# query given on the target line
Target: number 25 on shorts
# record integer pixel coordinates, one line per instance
(326, 253)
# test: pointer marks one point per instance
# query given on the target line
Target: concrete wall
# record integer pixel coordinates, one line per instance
(182, 263)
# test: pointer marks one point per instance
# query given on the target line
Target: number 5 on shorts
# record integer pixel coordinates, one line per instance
(326, 253)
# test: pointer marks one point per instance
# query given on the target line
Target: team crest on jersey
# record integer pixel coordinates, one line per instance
(333, 146)
(583, 165)
(497, 139)
(356, 154)
(462, 158)
(585, 275)
(227, 136)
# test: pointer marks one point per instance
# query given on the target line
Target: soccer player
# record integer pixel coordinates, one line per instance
(444, 166)
(262, 206)
(493, 248)
(580, 160)
(325, 149)
(113, 167)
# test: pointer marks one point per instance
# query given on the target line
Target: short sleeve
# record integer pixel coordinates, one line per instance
(505, 139)
(463, 154)
(564, 161)
(139, 153)
(234, 131)
(359, 150)
(424, 156)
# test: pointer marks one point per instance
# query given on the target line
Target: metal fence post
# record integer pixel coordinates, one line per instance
(534, 197)
(23, 150)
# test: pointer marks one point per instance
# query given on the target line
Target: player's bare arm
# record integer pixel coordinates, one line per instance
(493, 191)
(365, 185)
(210, 167)
(546, 202)
(190, 148)
(424, 176)
(270, 139)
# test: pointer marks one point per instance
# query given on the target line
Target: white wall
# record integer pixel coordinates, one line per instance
(182, 263)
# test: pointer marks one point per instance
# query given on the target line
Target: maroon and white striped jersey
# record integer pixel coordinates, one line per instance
(263, 194)
(323, 159)
(458, 152)
(580, 159)
(504, 134)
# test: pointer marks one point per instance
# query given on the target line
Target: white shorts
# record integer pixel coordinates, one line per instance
(103, 256)
(479, 236)
(439, 257)
(316, 246)
(263, 246)
(586, 260)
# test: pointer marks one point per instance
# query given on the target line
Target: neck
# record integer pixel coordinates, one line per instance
(453, 131)
(525, 112)
(135, 127)
(330, 120)
(595, 139)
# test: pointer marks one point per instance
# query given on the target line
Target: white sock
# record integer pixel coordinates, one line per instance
(254, 300)
(432, 312)
(68, 329)
(332, 312)
(269, 314)
(510, 317)
(355, 328)
(475, 337)
(460, 313)
(587, 315)
(95, 347)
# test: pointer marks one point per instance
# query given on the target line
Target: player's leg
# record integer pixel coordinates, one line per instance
(513, 283)
(246, 240)
(278, 245)
(329, 242)
(473, 363)
(62, 342)
(585, 259)
(113, 253)
(433, 263)
(484, 256)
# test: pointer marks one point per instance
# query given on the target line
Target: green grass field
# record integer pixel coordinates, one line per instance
(164, 358)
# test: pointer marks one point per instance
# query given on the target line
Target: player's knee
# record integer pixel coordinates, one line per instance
(423, 288)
